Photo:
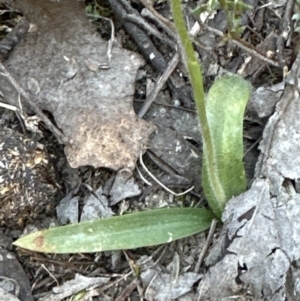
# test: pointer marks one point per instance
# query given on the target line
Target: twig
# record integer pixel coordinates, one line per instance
(27, 97)
(206, 246)
(134, 16)
(50, 274)
(147, 48)
(158, 182)
(170, 31)
(110, 42)
(252, 146)
(287, 27)
(150, 283)
(147, 4)
(161, 82)
(127, 290)
(100, 290)
(244, 45)
(168, 106)
(153, 31)
(139, 283)
(163, 165)
(239, 42)
(9, 107)
(142, 177)
(167, 73)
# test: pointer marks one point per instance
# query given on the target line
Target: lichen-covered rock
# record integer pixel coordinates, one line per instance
(27, 183)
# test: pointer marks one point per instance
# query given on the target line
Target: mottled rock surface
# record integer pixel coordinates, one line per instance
(59, 63)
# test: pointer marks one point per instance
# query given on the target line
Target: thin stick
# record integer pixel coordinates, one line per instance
(244, 45)
(158, 182)
(50, 274)
(148, 5)
(159, 85)
(170, 32)
(206, 246)
(152, 30)
(142, 177)
(9, 107)
(59, 135)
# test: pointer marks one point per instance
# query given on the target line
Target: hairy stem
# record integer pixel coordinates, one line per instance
(195, 74)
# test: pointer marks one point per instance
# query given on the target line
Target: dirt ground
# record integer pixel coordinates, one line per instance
(39, 189)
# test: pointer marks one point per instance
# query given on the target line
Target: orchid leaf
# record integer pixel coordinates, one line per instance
(130, 231)
(221, 120)
(225, 108)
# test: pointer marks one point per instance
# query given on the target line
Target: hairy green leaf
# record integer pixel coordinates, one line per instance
(129, 231)
(225, 107)
(195, 75)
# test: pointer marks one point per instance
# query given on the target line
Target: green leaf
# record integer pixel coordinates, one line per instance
(195, 75)
(239, 7)
(225, 107)
(221, 121)
(199, 10)
(129, 231)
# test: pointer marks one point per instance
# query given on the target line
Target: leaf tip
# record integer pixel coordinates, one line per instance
(33, 241)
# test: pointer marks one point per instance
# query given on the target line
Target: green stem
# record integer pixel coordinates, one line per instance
(195, 74)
